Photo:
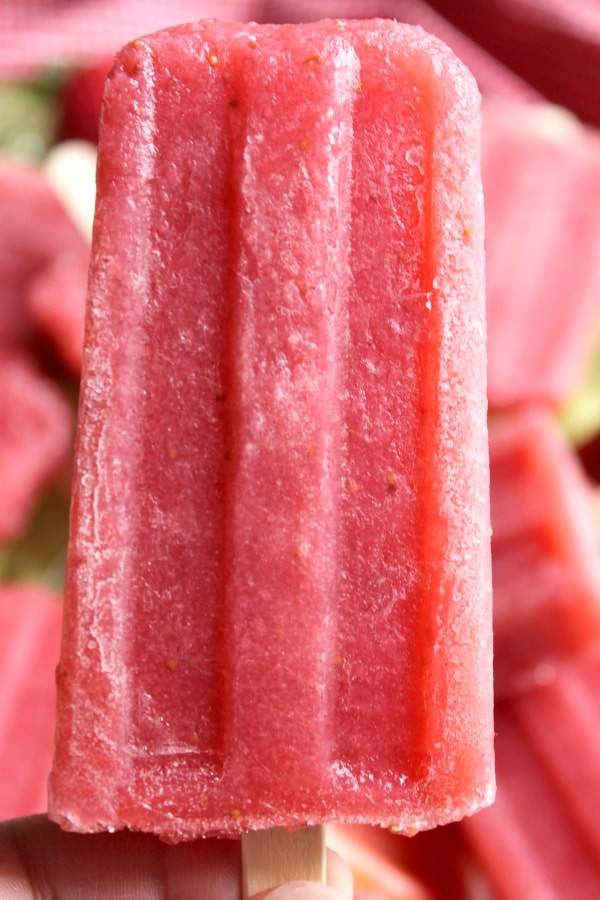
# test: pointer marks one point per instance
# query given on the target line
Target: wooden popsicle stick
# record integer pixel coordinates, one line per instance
(276, 856)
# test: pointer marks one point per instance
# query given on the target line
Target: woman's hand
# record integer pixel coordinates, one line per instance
(38, 860)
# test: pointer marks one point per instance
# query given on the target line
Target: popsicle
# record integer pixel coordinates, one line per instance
(30, 625)
(545, 562)
(541, 177)
(278, 591)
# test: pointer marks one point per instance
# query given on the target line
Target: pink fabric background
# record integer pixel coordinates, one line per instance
(35, 34)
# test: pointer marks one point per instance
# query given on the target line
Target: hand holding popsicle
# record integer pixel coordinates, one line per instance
(36, 857)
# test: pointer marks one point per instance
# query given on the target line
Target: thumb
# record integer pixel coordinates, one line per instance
(339, 885)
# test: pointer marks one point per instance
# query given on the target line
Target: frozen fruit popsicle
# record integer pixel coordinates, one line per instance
(541, 176)
(54, 295)
(545, 565)
(278, 599)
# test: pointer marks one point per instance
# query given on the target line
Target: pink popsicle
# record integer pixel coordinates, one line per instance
(562, 724)
(545, 564)
(278, 599)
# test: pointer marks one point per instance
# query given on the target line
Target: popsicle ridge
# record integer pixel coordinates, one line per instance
(121, 269)
(290, 288)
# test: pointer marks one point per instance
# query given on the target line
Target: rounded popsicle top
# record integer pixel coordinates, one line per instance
(281, 502)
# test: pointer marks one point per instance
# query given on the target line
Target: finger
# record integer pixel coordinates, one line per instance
(301, 890)
(339, 875)
(39, 860)
(339, 885)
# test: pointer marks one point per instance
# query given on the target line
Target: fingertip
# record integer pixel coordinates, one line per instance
(339, 885)
(339, 875)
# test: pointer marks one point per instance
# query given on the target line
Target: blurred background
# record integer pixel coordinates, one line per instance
(538, 68)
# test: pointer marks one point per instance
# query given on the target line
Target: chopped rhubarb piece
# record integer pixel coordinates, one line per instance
(35, 439)
(55, 297)
(81, 100)
(528, 843)
(545, 560)
(30, 623)
(541, 177)
(280, 531)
